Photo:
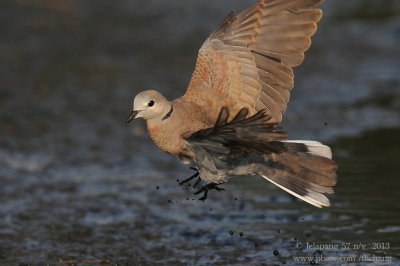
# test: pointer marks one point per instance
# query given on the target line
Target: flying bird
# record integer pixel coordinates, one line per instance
(227, 122)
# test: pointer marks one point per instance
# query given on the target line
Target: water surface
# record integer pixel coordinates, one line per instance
(79, 186)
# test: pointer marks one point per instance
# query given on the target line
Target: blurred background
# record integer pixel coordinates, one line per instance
(78, 185)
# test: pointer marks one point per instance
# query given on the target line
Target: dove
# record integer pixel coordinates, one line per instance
(227, 122)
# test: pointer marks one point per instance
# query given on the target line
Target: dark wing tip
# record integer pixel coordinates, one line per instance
(242, 114)
(222, 117)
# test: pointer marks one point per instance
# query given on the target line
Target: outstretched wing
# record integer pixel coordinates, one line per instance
(247, 61)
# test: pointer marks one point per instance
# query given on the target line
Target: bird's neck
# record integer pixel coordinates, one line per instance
(169, 113)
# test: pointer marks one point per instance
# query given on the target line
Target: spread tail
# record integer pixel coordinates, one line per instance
(305, 169)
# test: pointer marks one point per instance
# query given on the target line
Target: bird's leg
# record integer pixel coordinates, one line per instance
(197, 182)
(191, 177)
(206, 188)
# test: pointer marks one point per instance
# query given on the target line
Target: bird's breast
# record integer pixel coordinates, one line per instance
(166, 137)
(169, 134)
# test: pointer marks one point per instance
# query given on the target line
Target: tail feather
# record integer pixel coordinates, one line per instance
(314, 147)
(304, 170)
(309, 196)
(311, 186)
(314, 169)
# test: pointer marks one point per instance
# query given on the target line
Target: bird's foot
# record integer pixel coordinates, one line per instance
(191, 177)
(197, 182)
(207, 188)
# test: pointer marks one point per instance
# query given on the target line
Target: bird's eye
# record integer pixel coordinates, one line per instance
(151, 103)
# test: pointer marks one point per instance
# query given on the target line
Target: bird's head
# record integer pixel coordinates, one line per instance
(149, 104)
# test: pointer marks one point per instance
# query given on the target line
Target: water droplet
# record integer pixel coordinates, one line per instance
(299, 245)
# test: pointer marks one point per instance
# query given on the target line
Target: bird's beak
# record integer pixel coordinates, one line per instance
(132, 116)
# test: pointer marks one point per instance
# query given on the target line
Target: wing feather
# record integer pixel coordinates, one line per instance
(247, 61)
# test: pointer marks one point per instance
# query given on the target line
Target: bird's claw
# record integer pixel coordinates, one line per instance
(206, 188)
(219, 189)
(203, 198)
